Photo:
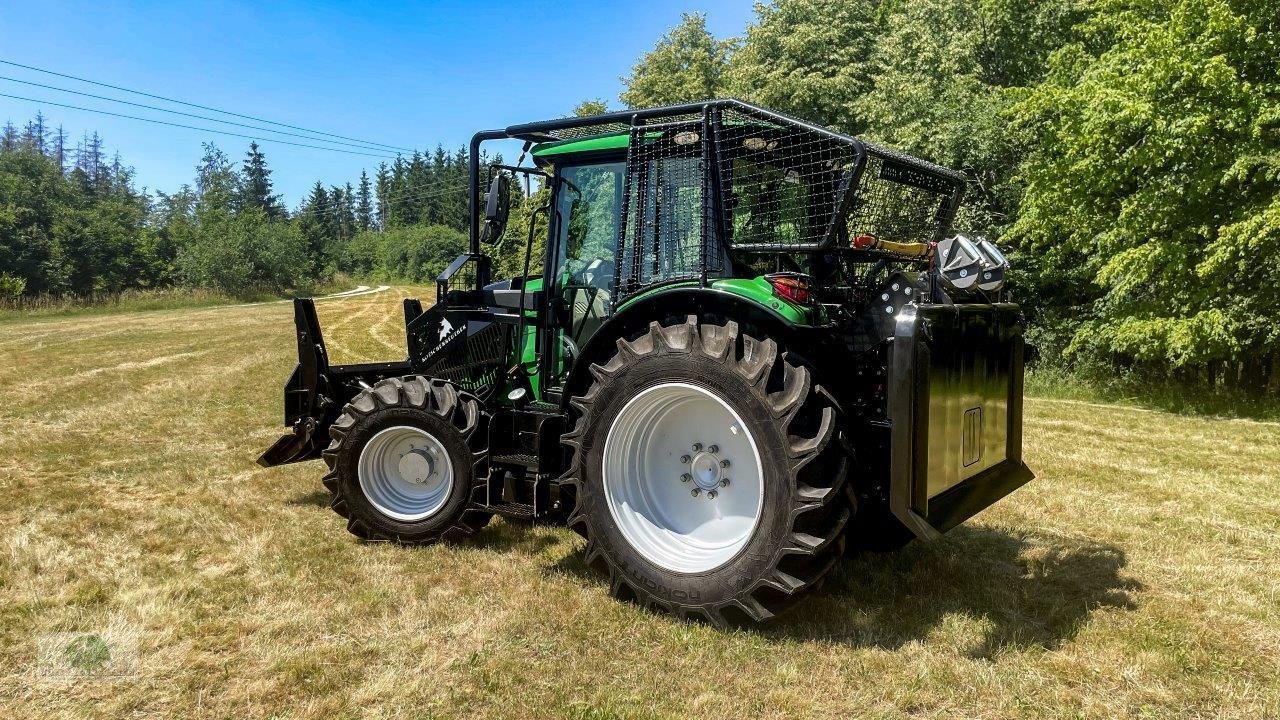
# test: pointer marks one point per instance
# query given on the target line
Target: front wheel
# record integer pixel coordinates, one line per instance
(402, 461)
(708, 482)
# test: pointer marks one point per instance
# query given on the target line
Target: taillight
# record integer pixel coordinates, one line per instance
(794, 288)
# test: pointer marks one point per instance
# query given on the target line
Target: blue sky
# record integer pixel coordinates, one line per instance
(406, 74)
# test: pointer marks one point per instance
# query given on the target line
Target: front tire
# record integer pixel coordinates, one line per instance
(402, 462)
(669, 419)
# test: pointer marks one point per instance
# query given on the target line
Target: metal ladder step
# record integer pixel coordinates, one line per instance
(522, 460)
(512, 510)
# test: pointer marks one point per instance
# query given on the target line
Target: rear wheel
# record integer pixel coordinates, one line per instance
(402, 460)
(708, 482)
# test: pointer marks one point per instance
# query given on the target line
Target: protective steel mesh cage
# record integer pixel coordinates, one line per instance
(903, 199)
(789, 186)
(724, 184)
(780, 183)
(666, 212)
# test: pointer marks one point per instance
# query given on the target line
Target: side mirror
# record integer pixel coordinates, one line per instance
(497, 207)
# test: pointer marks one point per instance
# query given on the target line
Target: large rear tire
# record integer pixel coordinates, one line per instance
(402, 462)
(709, 484)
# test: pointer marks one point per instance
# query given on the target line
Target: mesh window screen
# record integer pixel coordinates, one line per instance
(715, 190)
(780, 182)
(785, 185)
(901, 200)
(664, 234)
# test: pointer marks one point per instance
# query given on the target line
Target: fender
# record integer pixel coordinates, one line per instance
(637, 313)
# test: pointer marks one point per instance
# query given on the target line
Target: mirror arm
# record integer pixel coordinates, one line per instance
(524, 285)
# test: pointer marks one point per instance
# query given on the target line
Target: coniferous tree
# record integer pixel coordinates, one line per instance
(364, 203)
(347, 220)
(89, 160)
(255, 185)
(36, 134)
(60, 149)
(9, 138)
(382, 185)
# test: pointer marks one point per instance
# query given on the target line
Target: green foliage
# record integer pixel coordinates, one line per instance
(510, 252)
(416, 253)
(811, 58)
(1128, 150)
(591, 107)
(1152, 186)
(236, 252)
(11, 287)
(686, 65)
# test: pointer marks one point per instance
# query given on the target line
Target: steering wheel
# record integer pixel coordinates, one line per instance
(597, 274)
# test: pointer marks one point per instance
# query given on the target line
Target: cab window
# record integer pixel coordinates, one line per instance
(588, 203)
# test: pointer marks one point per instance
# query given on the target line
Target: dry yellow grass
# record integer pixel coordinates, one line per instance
(1137, 577)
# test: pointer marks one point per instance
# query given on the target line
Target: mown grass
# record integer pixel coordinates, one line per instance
(1136, 577)
(142, 300)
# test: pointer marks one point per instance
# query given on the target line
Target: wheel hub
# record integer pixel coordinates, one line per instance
(417, 466)
(705, 468)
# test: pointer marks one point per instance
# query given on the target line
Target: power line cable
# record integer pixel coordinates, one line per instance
(365, 146)
(194, 105)
(192, 127)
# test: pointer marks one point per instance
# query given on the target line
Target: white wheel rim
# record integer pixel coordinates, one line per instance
(405, 473)
(682, 477)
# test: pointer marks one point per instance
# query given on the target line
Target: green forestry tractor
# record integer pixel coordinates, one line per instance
(754, 342)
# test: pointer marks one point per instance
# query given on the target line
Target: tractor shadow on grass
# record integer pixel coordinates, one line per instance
(315, 498)
(1024, 590)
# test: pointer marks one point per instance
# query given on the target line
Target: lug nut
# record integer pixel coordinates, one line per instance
(724, 463)
(724, 482)
(695, 492)
(711, 494)
(713, 449)
(697, 447)
(686, 477)
(685, 459)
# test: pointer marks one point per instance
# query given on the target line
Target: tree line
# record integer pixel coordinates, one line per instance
(73, 221)
(1126, 151)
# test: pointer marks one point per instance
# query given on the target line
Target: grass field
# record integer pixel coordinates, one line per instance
(1138, 576)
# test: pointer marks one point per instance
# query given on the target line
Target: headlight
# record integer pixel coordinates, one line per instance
(959, 262)
(994, 264)
(964, 263)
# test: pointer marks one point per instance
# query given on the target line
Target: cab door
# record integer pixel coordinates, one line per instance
(582, 259)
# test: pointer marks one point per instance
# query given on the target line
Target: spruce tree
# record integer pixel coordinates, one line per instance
(364, 203)
(255, 185)
(10, 138)
(60, 149)
(348, 217)
(37, 133)
(383, 185)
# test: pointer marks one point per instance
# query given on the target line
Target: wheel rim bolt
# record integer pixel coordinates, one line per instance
(685, 459)
(724, 463)
(724, 482)
(697, 447)
(686, 477)
(711, 494)
(695, 492)
(713, 449)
